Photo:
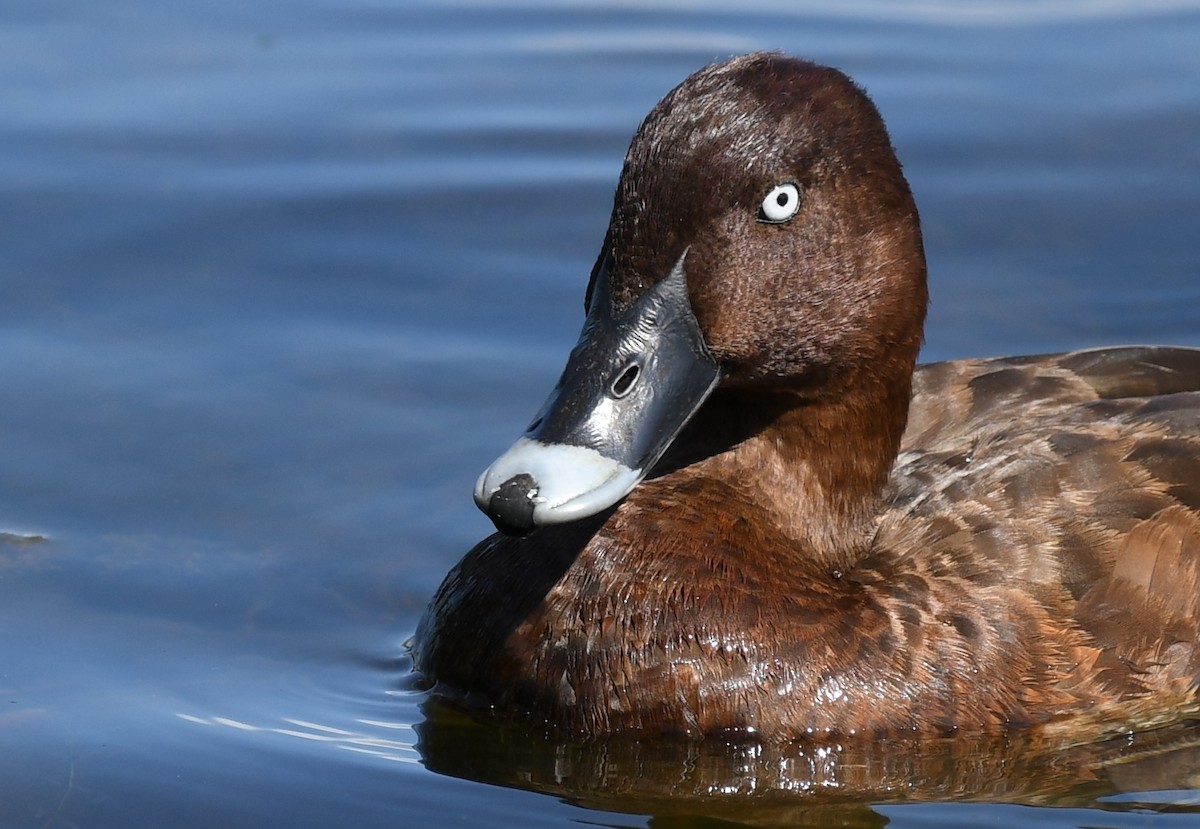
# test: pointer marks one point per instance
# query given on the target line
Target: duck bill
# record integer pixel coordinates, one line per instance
(632, 382)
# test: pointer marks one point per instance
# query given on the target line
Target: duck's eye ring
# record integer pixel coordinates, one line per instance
(780, 204)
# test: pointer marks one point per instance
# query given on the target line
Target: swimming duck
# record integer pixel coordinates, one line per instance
(745, 510)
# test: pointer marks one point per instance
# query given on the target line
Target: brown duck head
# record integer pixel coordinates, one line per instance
(763, 243)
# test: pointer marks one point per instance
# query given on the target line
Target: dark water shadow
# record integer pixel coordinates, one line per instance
(812, 783)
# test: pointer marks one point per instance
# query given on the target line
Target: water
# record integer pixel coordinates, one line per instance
(277, 282)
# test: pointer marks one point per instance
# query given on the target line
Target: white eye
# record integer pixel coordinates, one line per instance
(780, 204)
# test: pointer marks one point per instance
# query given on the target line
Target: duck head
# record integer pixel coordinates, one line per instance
(763, 242)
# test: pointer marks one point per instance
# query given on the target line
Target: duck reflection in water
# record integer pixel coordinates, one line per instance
(811, 782)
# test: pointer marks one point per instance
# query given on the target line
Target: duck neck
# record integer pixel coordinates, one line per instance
(817, 467)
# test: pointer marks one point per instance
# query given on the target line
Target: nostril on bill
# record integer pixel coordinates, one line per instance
(624, 383)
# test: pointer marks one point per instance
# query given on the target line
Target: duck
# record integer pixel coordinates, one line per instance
(745, 510)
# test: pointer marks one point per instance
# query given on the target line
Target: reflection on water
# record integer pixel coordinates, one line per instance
(845, 783)
(368, 741)
(764, 784)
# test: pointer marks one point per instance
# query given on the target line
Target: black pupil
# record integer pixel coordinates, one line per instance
(781, 199)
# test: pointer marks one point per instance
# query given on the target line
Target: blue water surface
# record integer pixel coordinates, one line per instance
(278, 280)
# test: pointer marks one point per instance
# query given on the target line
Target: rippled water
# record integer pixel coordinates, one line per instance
(276, 281)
